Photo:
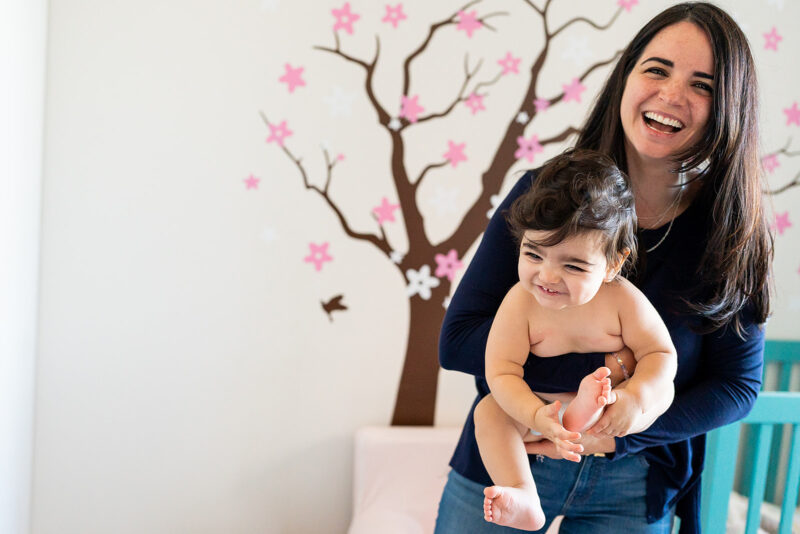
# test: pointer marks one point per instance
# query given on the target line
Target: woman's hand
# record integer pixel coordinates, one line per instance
(589, 445)
(623, 417)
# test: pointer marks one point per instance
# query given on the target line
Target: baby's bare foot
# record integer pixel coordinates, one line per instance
(593, 395)
(513, 507)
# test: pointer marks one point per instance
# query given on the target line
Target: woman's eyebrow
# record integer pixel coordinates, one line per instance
(670, 64)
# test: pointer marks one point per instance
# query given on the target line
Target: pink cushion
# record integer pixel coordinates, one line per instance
(399, 476)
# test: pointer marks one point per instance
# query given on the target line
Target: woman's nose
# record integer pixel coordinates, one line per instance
(672, 92)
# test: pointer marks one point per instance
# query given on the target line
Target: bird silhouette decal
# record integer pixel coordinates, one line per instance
(334, 304)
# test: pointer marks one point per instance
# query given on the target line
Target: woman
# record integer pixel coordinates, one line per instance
(678, 114)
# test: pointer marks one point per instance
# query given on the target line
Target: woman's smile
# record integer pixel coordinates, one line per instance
(661, 123)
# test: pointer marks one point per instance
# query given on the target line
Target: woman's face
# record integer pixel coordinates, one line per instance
(667, 98)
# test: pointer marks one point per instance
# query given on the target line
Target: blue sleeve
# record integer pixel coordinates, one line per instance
(491, 273)
(731, 370)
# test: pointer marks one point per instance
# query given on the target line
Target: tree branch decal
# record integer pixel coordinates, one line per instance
(427, 267)
(380, 243)
(770, 163)
(589, 22)
(383, 117)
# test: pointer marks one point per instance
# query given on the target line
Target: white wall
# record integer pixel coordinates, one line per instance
(23, 27)
(188, 380)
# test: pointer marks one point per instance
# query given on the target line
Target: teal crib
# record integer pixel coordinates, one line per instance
(764, 445)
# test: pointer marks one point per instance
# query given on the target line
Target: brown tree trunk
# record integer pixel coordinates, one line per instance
(416, 395)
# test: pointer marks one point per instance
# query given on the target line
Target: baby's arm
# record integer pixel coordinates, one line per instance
(507, 350)
(650, 390)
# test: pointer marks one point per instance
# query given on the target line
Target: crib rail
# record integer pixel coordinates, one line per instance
(771, 409)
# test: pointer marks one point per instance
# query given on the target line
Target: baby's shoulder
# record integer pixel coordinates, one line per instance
(621, 292)
(518, 297)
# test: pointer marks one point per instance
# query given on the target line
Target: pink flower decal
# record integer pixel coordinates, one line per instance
(385, 211)
(278, 133)
(528, 147)
(318, 256)
(292, 78)
(792, 115)
(510, 64)
(409, 108)
(455, 154)
(448, 265)
(344, 18)
(475, 103)
(781, 222)
(573, 90)
(394, 15)
(468, 22)
(627, 5)
(251, 182)
(541, 104)
(770, 162)
(772, 39)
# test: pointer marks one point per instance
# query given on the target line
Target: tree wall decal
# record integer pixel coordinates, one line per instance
(416, 395)
(428, 268)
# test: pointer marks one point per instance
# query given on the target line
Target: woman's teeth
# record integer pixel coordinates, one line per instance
(655, 120)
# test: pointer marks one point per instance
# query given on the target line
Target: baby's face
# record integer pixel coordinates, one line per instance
(567, 274)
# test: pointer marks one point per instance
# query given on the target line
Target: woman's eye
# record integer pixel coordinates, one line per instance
(657, 71)
(533, 256)
(704, 86)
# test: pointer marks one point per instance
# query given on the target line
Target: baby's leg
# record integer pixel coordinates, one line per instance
(593, 395)
(513, 501)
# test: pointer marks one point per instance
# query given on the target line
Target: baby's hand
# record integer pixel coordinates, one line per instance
(620, 418)
(546, 420)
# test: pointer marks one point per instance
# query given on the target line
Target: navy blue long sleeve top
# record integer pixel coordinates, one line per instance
(718, 377)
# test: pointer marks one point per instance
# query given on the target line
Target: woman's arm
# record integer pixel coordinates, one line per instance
(650, 390)
(491, 273)
(731, 370)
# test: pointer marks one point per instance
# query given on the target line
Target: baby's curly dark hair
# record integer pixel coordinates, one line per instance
(576, 192)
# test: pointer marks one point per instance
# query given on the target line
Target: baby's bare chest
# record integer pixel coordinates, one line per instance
(589, 330)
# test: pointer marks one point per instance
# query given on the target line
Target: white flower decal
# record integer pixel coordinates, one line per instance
(396, 257)
(495, 200)
(420, 282)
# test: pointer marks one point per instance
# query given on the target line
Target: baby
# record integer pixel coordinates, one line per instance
(576, 228)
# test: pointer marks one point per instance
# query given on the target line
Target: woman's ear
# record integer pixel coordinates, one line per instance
(614, 269)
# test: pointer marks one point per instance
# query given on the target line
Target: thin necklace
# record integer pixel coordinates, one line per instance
(675, 205)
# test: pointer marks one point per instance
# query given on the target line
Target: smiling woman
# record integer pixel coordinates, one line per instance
(678, 114)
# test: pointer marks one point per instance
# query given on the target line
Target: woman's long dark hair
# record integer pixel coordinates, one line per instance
(735, 268)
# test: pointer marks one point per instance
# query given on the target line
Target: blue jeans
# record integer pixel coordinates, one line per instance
(595, 496)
